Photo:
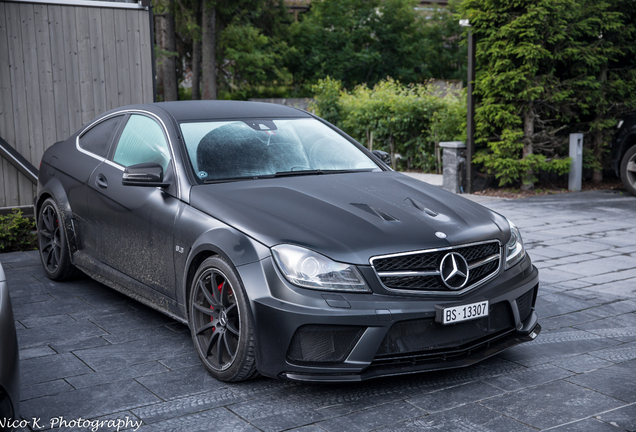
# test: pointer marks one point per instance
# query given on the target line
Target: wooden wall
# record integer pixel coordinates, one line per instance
(60, 66)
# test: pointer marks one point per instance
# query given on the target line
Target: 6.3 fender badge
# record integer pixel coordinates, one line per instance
(454, 270)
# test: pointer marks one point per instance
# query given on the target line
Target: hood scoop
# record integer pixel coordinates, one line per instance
(421, 207)
(375, 212)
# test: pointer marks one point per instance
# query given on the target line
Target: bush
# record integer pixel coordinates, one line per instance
(17, 233)
(406, 119)
(327, 99)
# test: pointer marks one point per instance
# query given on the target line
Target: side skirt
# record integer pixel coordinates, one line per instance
(128, 286)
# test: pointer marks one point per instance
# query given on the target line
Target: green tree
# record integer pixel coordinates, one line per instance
(604, 71)
(253, 62)
(521, 45)
(359, 41)
(445, 55)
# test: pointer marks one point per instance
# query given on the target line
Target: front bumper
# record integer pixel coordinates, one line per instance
(309, 335)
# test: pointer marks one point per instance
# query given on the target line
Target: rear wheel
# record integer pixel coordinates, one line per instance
(54, 251)
(219, 322)
(628, 170)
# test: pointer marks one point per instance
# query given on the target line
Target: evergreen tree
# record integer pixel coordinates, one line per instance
(365, 41)
(521, 44)
(547, 68)
(444, 53)
(604, 71)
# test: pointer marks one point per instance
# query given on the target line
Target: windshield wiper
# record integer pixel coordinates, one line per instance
(318, 172)
(298, 173)
(287, 174)
(233, 179)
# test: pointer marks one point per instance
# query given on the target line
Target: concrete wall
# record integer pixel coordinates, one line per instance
(61, 64)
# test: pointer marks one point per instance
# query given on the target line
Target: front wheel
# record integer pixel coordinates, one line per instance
(54, 251)
(628, 170)
(219, 322)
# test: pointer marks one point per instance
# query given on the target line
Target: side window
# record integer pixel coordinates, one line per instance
(142, 141)
(97, 139)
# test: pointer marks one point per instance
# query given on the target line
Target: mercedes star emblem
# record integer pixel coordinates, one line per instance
(454, 270)
(440, 234)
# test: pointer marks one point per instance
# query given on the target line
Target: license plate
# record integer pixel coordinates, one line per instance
(455, 314)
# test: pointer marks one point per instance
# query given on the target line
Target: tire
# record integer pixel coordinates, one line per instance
(219, 321)
(54, 251)
(628, 170)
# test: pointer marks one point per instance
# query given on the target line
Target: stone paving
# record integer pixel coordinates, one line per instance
(88, 352)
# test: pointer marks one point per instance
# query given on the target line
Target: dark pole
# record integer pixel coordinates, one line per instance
(151, 16)
(470, 120)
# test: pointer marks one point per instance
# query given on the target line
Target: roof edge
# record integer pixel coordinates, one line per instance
(84, 3)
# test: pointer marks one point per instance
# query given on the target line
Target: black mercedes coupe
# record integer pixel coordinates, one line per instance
(288, 248)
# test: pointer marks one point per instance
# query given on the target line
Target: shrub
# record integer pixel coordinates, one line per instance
(406, 119)
(17, 233)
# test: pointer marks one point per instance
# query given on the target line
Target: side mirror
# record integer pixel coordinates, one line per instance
(383, 156)
(144, 174)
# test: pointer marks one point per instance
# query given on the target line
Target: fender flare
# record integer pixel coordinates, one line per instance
(232, 245)
(55, 190)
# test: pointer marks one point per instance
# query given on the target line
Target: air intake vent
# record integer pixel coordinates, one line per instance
(421, 207)
(375, 212)
(525, 303)
(323, 343)
(422, 335)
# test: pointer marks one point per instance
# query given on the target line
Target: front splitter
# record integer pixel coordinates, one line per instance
(428, 362)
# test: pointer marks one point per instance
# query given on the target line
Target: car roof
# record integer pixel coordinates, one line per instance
(223, 109)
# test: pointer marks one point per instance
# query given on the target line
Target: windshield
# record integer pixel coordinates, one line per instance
(253, 148)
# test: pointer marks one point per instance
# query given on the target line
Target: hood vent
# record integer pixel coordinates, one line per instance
(421, 207)
(375, 212)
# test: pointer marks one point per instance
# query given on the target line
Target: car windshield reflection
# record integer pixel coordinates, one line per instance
(253, 149)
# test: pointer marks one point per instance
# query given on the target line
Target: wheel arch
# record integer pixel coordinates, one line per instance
(233, 246)
(622, 142)
(628, 142)
(193, 266)
(626, 174)
(56, 192)
(205, 248)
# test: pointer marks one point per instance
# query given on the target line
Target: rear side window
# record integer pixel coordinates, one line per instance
(142, 141)
(97, 139)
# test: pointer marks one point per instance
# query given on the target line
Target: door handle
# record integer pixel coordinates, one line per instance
(101, 181)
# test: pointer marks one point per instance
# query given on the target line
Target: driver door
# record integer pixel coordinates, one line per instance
(136, 222)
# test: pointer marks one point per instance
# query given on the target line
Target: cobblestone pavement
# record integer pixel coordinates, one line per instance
(88, 352)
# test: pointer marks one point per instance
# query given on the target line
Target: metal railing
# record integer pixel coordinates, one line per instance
(18, 161)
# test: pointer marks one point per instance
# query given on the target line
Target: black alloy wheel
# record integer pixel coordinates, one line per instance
(219, 324)
(628, 170)
(54, 252)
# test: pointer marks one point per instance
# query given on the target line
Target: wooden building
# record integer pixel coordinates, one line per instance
(63, 62)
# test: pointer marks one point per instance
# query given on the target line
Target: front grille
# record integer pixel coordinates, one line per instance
(406, 338)
(480, 273)
(419, 271)
(406, 262)
(323, 343)
(412, 282)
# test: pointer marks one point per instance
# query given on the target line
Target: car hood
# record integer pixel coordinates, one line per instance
(350, 217)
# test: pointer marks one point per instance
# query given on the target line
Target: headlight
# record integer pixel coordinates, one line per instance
(309, 269)
(514, 248)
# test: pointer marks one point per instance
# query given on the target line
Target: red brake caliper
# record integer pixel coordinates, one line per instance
(220, 287)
